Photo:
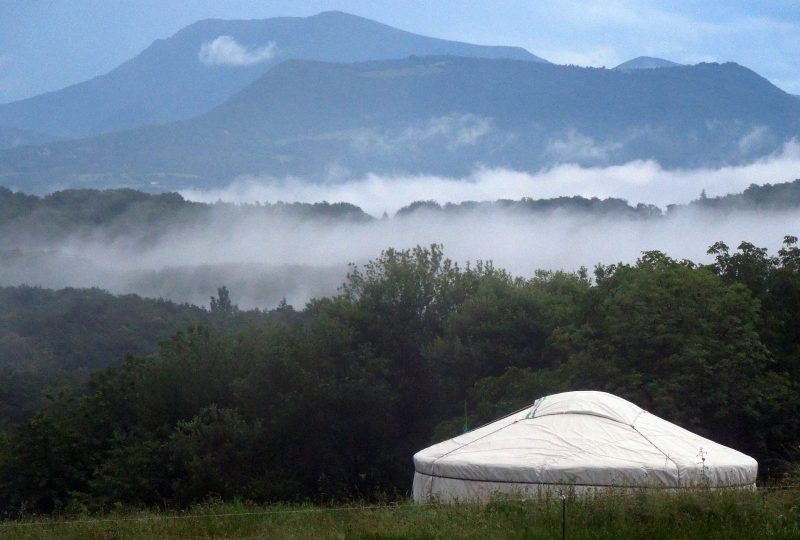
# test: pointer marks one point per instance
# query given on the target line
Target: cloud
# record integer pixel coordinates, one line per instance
(457, 129)
(601, 56)
(226, 51)
(453, 131)
(637, 181)
(756, 139)
(577, 147)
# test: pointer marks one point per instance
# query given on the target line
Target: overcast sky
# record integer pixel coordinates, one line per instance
(48, 44)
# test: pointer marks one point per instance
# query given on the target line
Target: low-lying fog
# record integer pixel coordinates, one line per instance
(262, 259)
(638, 181)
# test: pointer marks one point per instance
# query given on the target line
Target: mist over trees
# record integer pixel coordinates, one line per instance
(163, 246)
(125, 212)
(331, 403)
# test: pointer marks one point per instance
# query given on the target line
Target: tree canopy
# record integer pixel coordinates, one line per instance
(332, 402)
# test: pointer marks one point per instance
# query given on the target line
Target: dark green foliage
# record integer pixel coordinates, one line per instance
(332, 403)
(219, 454)
(57, 338)
(45, 460)
(82, 329)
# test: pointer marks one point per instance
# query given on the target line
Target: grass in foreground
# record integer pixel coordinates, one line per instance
(699, 514)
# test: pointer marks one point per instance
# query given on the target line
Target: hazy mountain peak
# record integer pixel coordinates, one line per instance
(203, 64)
(646, 62)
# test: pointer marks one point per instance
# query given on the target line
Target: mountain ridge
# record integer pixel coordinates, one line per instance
(168, 80)
(433, 115)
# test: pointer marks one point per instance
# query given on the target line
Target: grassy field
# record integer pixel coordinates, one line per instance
(702, 514)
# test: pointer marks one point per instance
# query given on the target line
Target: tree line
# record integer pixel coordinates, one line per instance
(331, 402)
(26, 220)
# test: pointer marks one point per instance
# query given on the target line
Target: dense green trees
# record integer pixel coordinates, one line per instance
(332, 402)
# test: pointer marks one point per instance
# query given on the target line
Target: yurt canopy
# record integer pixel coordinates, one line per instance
(575, 441)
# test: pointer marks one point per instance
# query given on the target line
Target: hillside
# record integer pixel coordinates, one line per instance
(13, 137)
(177, 78)
(432, 115)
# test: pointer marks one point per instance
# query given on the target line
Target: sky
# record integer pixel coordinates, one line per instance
(46, 45)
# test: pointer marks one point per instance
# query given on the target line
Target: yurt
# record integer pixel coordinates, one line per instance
(574, 442)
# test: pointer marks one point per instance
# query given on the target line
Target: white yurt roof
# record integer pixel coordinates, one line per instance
(576, 440)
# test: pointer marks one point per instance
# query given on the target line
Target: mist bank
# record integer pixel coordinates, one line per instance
(641, 181)
(164, 246)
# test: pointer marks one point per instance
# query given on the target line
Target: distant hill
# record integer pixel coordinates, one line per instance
(205, 63)
(433, 115)
(80, 213)
(646, 62)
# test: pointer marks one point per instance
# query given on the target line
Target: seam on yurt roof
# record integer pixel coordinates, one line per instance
(677, 467)
(460, 446)
(501, 418)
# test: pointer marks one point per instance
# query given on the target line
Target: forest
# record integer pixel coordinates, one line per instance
(330, 402)
(121, 212)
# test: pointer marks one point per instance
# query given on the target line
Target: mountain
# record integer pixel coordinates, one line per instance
(11, 137)
(646, 62)
(432, 115)
(206, 62)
